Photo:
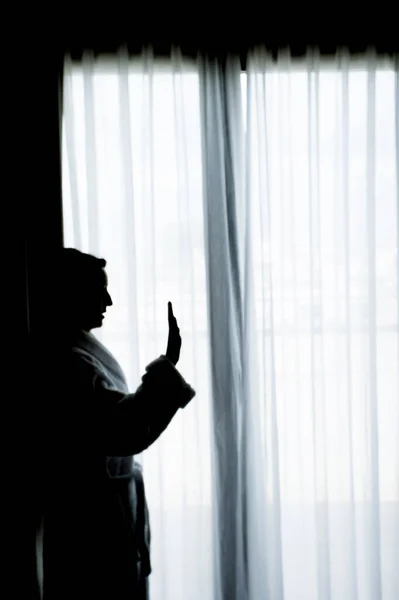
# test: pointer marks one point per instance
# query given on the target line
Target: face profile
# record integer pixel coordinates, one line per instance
(95, 303)
(83, 290)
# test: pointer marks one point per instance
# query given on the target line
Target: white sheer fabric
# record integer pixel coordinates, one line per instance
(133, 194)
(293, 289)
(323, 190)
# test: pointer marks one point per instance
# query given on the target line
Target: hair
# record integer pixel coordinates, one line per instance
(77, 269)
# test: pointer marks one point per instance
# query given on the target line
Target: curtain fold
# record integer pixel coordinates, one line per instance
(223, 201)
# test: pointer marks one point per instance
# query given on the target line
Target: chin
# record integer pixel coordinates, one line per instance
(95, 324)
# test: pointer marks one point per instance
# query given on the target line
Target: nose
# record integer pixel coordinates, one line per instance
(108, 299)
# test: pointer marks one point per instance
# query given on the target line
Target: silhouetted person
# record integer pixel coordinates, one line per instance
(88, 486)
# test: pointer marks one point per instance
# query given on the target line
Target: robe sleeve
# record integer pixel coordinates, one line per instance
(118, 424)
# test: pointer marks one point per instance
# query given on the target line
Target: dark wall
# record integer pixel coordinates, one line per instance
(38, 175)
(32, 229)
(236, 28)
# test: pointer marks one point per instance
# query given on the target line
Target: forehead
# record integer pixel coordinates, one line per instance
(102, 277)
(97, 277)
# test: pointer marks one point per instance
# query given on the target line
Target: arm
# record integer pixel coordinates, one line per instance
(162, 393)
(122, 425)
(167, 391)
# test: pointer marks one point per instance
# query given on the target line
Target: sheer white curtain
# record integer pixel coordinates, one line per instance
(265, 205)
(322, 186)
(132, 184)
(302, 261)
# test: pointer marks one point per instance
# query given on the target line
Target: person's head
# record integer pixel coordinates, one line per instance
(82, 291)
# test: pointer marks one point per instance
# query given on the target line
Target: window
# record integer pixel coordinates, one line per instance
(322, 197)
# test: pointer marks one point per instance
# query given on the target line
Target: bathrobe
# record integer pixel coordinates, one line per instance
(93, 533)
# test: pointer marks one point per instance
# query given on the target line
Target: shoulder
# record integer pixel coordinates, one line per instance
(77, 369)
(86, 371)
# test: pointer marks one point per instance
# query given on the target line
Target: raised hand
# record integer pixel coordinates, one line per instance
(174, 339)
